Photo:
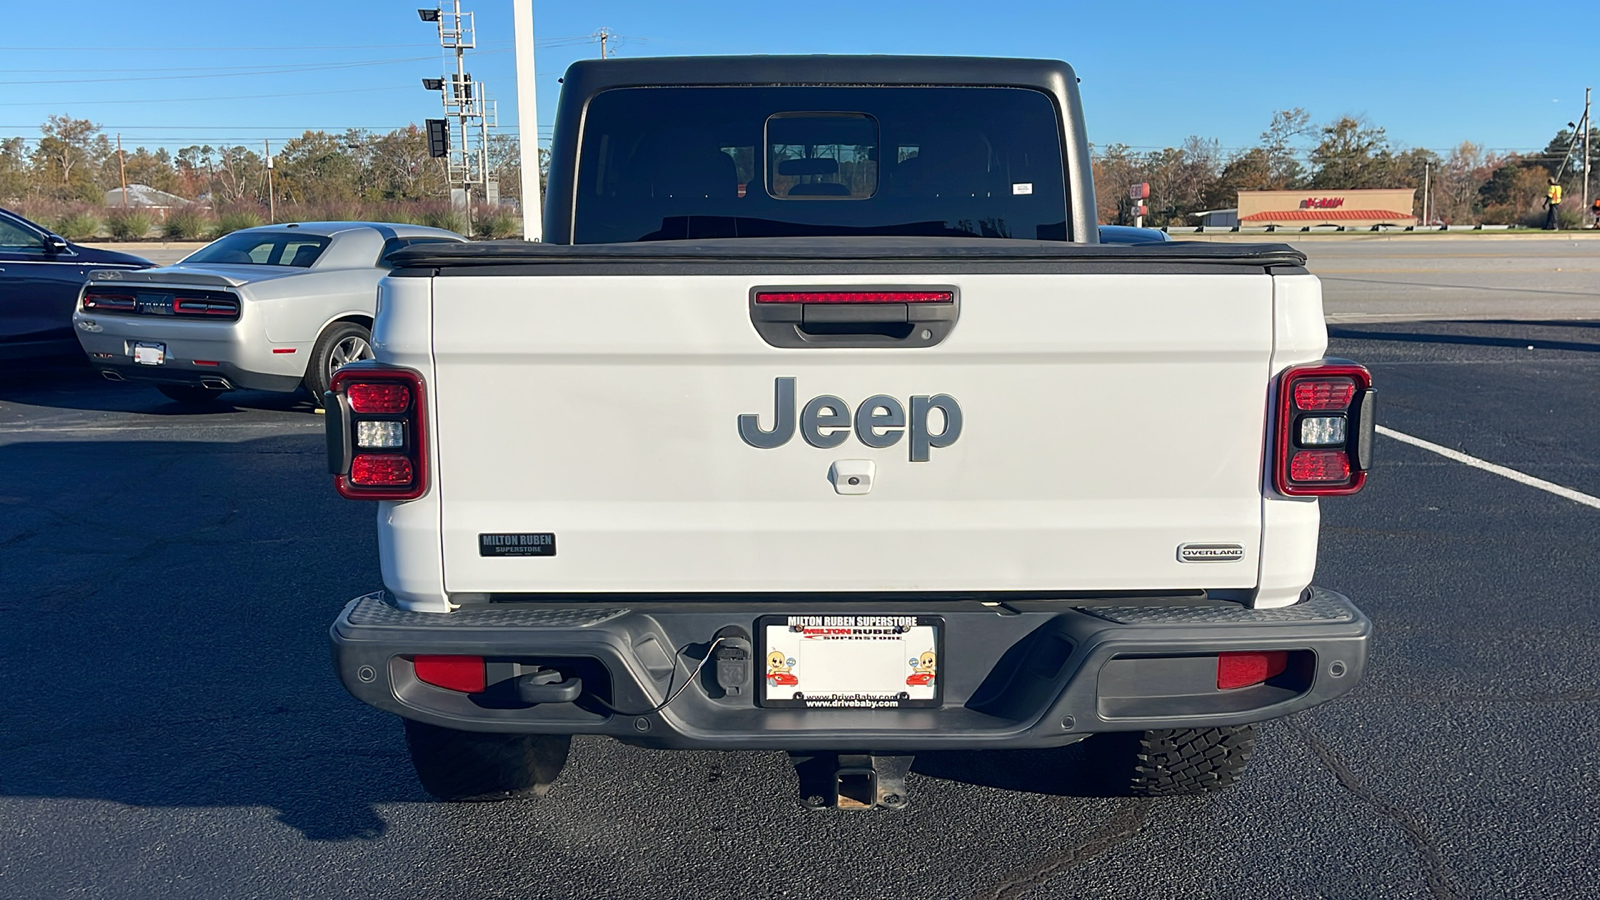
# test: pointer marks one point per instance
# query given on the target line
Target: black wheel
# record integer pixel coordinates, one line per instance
(343, 343)
(1172, 762)
(475, 766)
(190, 394)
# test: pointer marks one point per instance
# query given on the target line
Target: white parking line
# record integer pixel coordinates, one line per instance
(1502, 471)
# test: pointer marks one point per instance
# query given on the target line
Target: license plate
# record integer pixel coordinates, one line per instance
(149, 354)
(851, 662)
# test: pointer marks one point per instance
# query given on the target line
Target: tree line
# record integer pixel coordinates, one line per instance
(66, 174)
(1468, 186)
(360, 173)
(75, 160)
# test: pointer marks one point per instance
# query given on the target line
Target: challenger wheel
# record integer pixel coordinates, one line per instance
(343, 343)
(475, 766)
(1172, 762)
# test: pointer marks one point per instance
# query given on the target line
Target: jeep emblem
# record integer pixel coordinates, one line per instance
(880, 421)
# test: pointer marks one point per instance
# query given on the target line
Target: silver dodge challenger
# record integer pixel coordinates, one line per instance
(274, 308)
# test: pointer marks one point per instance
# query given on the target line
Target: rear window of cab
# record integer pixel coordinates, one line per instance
(271, 248)
(706, 162)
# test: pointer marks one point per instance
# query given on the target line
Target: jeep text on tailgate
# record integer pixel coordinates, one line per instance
(826, 422)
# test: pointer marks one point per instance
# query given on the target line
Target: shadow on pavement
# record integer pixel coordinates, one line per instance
(1535, 336)
(72, 384)
(1061, 772)
(164, 631)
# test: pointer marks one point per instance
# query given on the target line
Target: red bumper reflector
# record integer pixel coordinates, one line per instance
(379, 397)
(457, 673)
(1319, 467)
(1237, 670)
(380, 470)
(206, 362)
(854, 296)
(282, 349)
(1318, 394)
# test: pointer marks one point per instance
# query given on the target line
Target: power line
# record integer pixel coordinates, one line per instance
(59, 103)
(206, 49)
(260, 70)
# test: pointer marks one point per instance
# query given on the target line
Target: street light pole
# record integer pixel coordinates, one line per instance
(528, 122)
(272, 198)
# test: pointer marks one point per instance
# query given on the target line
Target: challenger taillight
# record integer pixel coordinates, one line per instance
(1324, 430)
(377, 433)
(98, 301)
(189, 303)
(205, 306)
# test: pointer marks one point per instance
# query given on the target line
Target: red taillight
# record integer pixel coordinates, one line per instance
(381, 470)
(204, 306)
(855, 297)
(1324, 430)
(377, 433)
(1319, 467)
(456, 673)
(379, 398)
(1323, 393)
(110, 302)
(1237, 670)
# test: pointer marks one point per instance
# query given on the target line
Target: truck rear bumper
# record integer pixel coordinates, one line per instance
(1018, 673)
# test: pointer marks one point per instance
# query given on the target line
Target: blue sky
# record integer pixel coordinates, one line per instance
(203, 71)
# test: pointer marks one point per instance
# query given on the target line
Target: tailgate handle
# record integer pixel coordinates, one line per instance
(854, 316)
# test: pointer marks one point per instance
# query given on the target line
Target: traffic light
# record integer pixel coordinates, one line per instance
(438, 137)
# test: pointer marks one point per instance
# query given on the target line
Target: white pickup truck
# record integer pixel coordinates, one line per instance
(824, 421)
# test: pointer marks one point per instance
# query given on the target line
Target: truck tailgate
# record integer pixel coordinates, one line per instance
(1107, 420)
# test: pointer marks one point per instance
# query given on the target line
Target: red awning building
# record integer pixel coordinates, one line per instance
(1351, 209)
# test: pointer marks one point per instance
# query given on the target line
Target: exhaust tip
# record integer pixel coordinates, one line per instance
(111, 375)
(216, 384)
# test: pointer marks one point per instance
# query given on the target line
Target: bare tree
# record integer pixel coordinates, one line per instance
(1279, 144)
(68, 153)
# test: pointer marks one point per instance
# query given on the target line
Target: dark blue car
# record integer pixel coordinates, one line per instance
(40, 274)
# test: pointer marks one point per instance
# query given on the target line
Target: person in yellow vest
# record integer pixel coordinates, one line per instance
(1552, 205)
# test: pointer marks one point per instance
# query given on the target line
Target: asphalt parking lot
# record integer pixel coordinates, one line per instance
(172, 727)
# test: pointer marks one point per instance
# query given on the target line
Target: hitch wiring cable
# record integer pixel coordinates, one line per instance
(671, 694)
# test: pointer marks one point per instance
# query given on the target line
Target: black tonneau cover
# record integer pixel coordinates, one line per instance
(978, 252)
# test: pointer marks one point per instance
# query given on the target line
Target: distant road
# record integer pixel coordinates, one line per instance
(1461, 278)
(1394, 278)
(1412, 277)
(162, 253)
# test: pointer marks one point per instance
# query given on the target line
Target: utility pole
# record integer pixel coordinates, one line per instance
(122, 170)
(1427, 168)
(602, 36)
(528, 122)
(1587, 127)
(464, 101)
(272, 197)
